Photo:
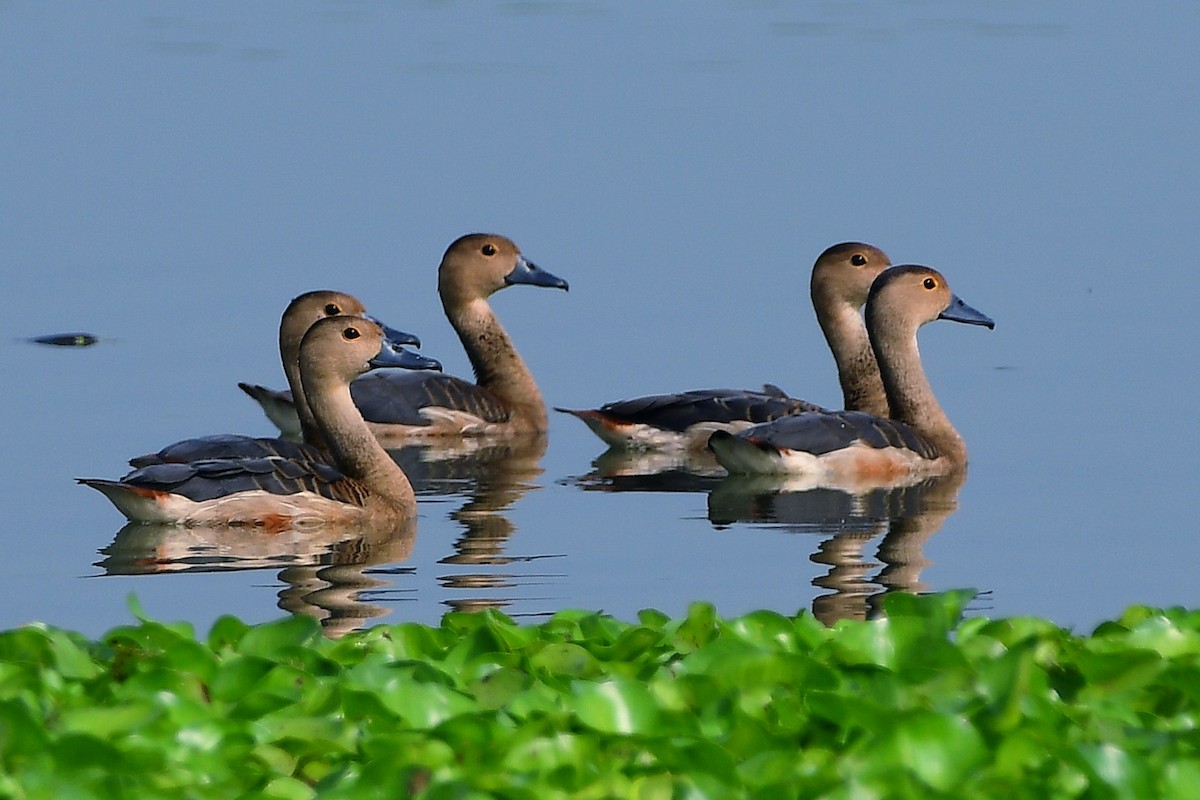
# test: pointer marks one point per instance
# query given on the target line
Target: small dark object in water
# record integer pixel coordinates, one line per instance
(66, 339)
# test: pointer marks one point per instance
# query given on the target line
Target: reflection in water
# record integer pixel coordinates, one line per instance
(345, 576)
(617, 470)
(324, 569)
(904, 516)
(492, 474)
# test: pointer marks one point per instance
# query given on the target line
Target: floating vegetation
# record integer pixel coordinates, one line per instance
(920, 704)
(66, 339)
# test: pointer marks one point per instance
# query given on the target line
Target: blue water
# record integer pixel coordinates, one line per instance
(172, 175)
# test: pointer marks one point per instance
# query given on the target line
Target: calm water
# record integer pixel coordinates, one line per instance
(172, 176)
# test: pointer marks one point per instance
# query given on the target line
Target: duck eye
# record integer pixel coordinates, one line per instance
(858, 259)
(332, 310)
(351, 333)
(929, 283)
(489, 249)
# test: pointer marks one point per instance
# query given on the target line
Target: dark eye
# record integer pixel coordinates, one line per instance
(351, 333)
(858, 259)
(332, 310)
(929, 283)
(489, 250)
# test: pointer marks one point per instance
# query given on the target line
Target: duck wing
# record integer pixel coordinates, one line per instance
(678, 411)
(396, 396)
(210, 479)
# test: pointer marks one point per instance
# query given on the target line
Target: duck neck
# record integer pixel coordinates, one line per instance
(910, 397)
(310, 432)
(858, 372)
(496, 364)
(355, 451)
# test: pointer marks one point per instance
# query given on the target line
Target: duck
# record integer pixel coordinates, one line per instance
(841, 278)
(360, 484)
(851, 450)
(503, 400)
(300, 314)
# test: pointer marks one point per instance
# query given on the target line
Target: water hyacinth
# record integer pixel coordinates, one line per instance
(918, 704)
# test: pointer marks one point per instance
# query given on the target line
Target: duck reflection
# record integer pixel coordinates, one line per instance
(905, 516)
(346, 577)
(620, 470)
(325, 571)
(490, 474)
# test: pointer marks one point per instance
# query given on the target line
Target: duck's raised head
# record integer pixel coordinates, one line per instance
(308, 308)
(843, 274)
(342, 348)
(841, 280)
(479, 264)
(905, 298)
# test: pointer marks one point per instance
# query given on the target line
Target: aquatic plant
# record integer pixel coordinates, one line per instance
(921, 703)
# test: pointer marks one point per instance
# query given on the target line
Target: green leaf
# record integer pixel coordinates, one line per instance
(1181, 780)
(288, 788)
(497, 688)
(226, 633)
(695, 758)
(274, 640)
(426, 705)
(765, 629)
(941, 612)
(237, 676)
(564, 659)
(21, 733)
(1110, 673)
(109, 721)
(1109, 764)
(275, 759)
(407, 640)
(653, 619)
(328, 733)
(471, 736)
(938, 749)
(135, 607)
(1162, 635)
(635, 644)
(77, 751)
(616, 706)
(556, 752)
(71, 659)
(845, 711)
(697, 629)
(652, 787)
(869, 642)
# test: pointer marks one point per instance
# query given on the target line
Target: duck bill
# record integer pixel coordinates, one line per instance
(397, 337)
(393, 355)
(532, 274)
(958, 311)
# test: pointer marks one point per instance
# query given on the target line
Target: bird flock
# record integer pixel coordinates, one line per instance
(354, 390)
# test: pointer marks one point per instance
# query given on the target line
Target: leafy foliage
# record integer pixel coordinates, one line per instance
(916, 705)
